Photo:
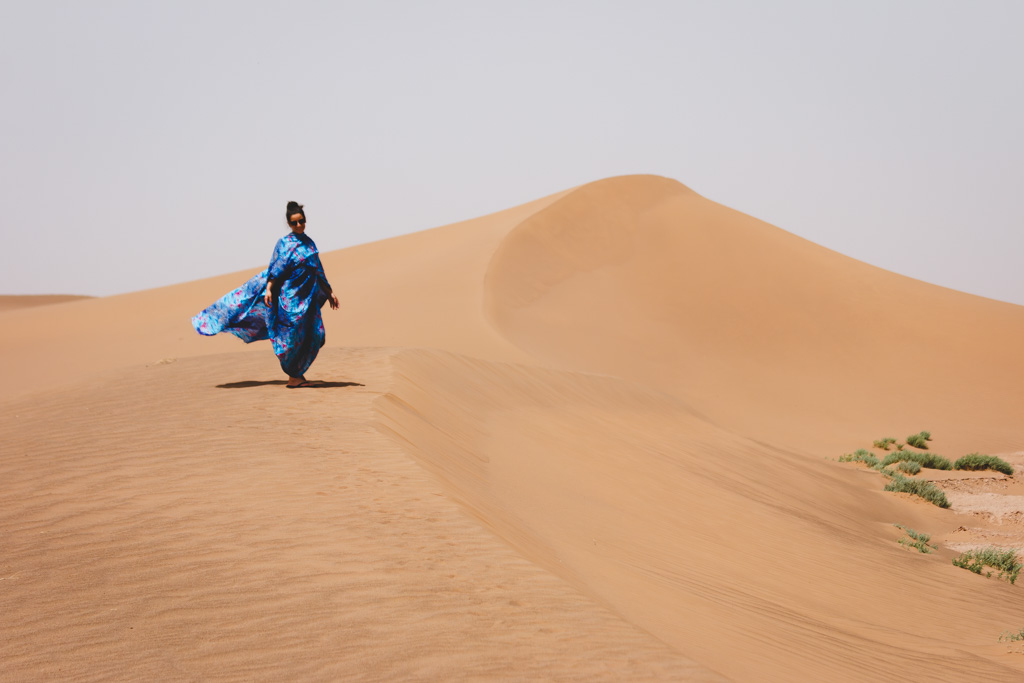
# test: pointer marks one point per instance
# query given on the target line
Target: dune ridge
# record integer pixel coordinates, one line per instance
(13, 301)
(181, 550)
(723, 309)
(590, 437)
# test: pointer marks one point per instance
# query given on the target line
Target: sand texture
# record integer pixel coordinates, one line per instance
(593, 437)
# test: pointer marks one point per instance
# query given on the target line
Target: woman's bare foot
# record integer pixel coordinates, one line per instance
(302, 383)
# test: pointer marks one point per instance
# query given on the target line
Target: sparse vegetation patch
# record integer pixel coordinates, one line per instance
(985, 561)
(919, 487)
(916, 539)
(909, 466)
(1012, 636)
(860, 455)
(1003, 560)
(929, 460)
(977, 461)
(919, 440)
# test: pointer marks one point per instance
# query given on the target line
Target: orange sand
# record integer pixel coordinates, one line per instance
(592, 437)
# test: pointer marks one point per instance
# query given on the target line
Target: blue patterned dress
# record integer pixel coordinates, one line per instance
(293, 322)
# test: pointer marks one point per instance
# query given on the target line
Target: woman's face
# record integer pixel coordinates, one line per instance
(297, 222)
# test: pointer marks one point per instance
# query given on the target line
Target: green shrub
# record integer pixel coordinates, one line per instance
(1011, 636)
(929, 460)
(926, 435)
(1004, 560)
(919, 487)
(917, 539)
(909, 466)
(884, 443)
(899, 446)
(919, 440)
(977, 461)
(916, 535)
(860, 455)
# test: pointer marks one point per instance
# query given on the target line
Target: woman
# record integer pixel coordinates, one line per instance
(282, 303)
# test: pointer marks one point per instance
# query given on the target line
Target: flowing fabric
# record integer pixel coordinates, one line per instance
(293, 322)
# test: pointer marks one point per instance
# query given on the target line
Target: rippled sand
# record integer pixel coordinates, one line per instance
(593, 437)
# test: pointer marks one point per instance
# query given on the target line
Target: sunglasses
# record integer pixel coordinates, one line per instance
(295, 224)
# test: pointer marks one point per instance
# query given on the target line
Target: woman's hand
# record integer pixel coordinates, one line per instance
(268, 298)
(334, 301)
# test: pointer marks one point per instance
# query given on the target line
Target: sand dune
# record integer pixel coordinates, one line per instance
(772, 335)
(419, 290)
(590, 437)
(11, 302)
(217, 540)
(758, 562)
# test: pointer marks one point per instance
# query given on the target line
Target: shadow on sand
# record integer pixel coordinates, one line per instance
(280, 382)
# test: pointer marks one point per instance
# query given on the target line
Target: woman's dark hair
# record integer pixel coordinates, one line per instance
(293, 208)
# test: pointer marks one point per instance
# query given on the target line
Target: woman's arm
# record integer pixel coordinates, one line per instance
(325, 285)
(268, 298)
(330, 295)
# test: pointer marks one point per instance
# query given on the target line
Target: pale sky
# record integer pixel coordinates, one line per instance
(151, 143)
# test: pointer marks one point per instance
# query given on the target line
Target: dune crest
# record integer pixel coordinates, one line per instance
(785, 341)
(12, 302)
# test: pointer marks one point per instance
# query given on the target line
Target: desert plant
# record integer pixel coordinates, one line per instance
(917, 540)
(927, 436)
(916, 535)
(919, 440)
(919, 487)
(1011, 636)
(977, 461)
(909, 466)
(884, 443)
(860, 455)
(899, 446)
(929, 460)
(1003, 560)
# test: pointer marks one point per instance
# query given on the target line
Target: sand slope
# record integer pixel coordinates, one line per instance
(773, 335)
(11, 302)
(757, 562)
(248, 533)
(590, 437)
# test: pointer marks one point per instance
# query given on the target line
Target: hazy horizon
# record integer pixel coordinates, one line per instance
(152, 145)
